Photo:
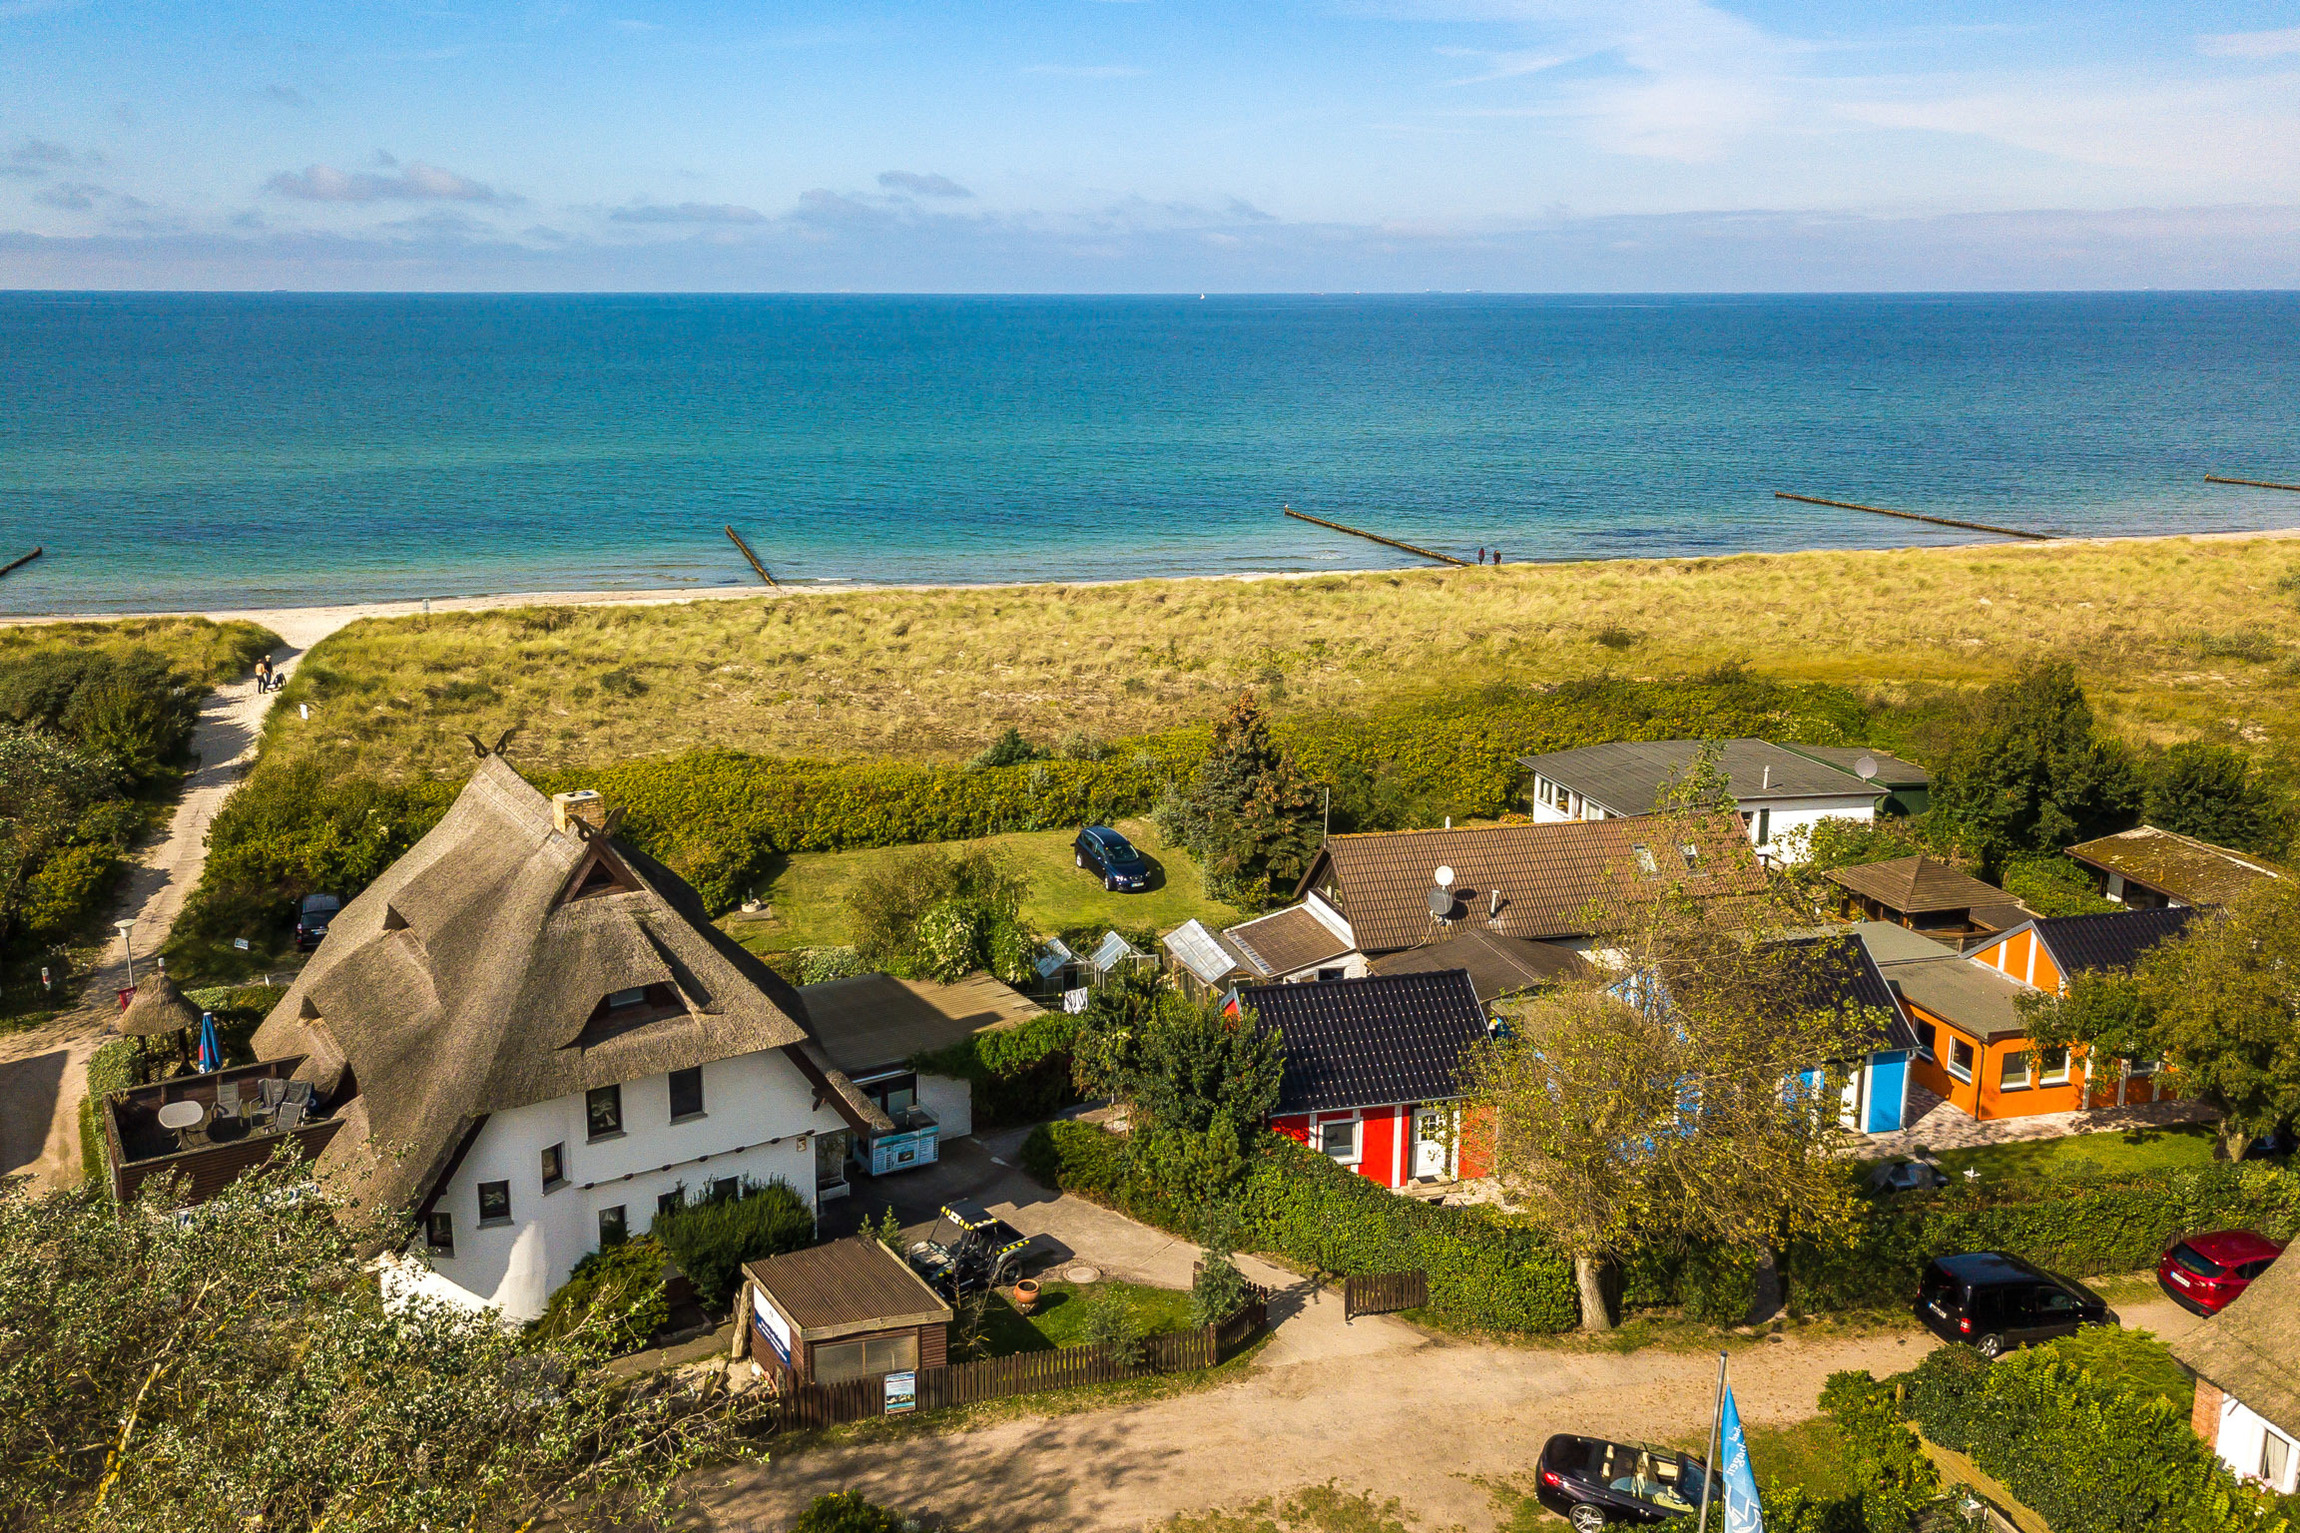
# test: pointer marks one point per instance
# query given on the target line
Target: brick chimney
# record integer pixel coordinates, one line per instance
(584, 804)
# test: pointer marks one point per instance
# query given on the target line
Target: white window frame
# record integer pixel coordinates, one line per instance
(1949, 1060)
(1928, 1041)
(2270, 1438)
(2027, 1074)
(2058, 1077)
(1356, 1124)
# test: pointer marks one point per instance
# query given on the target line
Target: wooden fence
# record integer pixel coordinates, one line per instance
(1025, 1373)
(1378, 1293)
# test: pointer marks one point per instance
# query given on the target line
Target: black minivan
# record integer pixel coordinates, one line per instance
(1998, 1302)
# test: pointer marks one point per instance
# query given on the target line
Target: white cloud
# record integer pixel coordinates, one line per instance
(2251, 45)
(921, 186)
(416, 183)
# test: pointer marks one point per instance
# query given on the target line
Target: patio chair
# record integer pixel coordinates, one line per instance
(289, 1115)
(274, 1092)
(299, 1092)
(228, 1099)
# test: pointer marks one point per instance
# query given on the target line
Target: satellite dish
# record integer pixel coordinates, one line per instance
(1445, 878)
(1866, 766)
(1441, 904)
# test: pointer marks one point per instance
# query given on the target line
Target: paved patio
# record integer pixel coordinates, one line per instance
(1935, 1125)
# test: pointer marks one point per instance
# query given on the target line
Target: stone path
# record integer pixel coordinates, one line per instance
(1935, 1125)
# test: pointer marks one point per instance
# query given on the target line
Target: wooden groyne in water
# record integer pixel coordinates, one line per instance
(1916, 516)
(26, 559)
(754, 558)
(1374, 537)
(2257, 484)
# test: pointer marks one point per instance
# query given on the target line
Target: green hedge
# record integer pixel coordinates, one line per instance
(2085, 1453)
(1483, 1270)
(2078, 1226)
(1019, 1074)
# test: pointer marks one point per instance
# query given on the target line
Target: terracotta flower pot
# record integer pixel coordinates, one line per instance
(1025, 1295)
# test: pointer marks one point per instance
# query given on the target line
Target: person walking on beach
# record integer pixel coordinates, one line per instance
(264, 674)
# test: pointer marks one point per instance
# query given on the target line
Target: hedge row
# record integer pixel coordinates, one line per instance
(2085, 1454)
(1019, 1074)
(1483, 1270)
(2078, 1226)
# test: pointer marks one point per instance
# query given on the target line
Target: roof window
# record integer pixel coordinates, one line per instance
(1645, 863)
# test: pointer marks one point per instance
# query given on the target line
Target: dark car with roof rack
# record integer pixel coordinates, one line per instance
(1593, 1483)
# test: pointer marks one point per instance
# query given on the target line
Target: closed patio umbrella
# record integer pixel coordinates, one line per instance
(211, 1052)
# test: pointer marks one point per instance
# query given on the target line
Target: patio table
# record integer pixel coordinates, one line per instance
(181, 1117)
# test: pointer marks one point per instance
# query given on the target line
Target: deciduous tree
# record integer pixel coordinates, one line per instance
(2031, 772)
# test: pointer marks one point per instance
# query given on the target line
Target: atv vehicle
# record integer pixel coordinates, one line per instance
(969, 1248)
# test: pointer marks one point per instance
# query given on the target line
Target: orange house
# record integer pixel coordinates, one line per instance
(1973, 1048)
(2045, 953)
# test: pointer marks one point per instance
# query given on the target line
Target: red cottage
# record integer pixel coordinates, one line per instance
(1373, 1070)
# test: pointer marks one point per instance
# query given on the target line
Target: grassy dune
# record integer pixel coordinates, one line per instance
(2177, 638)
(209, 652)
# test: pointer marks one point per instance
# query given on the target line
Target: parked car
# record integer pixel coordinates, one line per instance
(312, 918)
(1105, 852)
(1591, 1482)
(2203, 1273)
(1998, 1302)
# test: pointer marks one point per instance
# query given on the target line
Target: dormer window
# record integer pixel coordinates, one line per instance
(1692, 856)
(621, 999)
(1645, 863)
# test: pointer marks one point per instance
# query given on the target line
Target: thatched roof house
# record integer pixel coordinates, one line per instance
(2247, 1365)
(518, 953)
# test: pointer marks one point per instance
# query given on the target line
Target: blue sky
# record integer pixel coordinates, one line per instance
(1148, 145)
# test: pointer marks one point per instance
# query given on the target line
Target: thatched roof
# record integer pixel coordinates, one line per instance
(472, 978)
(2251, 1349)
(158, 1009)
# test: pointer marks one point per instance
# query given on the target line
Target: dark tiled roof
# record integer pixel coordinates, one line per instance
(850, 1284)
(1496, 965)
(1371, 1042)
(1549, 876)
(1917, 886)
(2251, 1349)
(1843, 977)
(2080, 944)
(1627, 776)
(1892, 771)
(1288, 941)
(2192, 871)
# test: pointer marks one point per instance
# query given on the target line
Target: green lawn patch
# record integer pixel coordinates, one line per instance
(1059, 1317)
(807, 891)
(2134, 1152)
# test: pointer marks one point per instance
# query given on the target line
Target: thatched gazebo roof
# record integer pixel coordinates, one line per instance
(158, 1009)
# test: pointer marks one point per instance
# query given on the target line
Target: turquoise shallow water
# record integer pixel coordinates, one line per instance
(177, 451)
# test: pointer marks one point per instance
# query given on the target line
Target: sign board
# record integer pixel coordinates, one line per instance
(240, 943)
(773, 1326)
(901, 1393)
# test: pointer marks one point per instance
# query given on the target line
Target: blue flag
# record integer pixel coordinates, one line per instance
(1737, 1483)
(211, 1052)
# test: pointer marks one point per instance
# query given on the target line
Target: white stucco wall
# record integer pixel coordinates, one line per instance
(747, 1101)
(2241, 1438)
(1783, 815)
(951, 1102)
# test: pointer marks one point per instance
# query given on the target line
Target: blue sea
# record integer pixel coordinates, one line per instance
(211, 451)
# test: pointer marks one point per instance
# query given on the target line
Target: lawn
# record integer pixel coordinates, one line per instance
(2175, 638)
(1059, 1318)
(2133, 1152)
(805, 903)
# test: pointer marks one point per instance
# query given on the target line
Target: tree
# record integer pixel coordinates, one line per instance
(2226, 1000)
(1250, 816)
(236, 1369)
(1687, 1097)
(2212, 793)
(1218, 1289)
(939, 914)
(1181, 1065)
(2030, 772)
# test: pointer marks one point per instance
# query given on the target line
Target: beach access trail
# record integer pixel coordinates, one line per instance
(43, 1070)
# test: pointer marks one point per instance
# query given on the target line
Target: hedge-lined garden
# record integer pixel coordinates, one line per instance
(718, 818)
(1488, 1272)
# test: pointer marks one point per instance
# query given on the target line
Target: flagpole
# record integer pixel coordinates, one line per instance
(1716, 1425)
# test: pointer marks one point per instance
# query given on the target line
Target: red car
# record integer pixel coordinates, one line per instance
(2204, 1272)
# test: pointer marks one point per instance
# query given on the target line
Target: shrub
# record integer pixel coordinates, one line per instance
(847, 1512)
(712, 1239)
(119, 1064)
(2082, 1450)
(1018, 1074)
(68, 891)
(614, 1299)
(1112, 1325)
(2054, 886)
(1009, 749)
(824, 964)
